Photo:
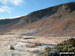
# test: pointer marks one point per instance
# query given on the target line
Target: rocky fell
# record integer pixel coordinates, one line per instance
(53, 21)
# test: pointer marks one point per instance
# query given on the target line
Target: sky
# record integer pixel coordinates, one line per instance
(17, 8)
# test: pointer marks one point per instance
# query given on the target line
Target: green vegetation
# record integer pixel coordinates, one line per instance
(12, 48)
(37, 44)
(66, 46)
(47, 51)
(40, 54)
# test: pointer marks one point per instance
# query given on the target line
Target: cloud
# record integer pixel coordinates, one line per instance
(14, 2)
(10, 17)
(5, 9)
(3, 1)
(14, 17)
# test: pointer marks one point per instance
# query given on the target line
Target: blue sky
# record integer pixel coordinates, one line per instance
(17, 8)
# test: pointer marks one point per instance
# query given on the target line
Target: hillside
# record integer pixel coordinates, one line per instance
(53, 21)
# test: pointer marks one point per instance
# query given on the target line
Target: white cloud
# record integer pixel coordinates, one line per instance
(14, 17)
(3, 1)
(5, 9)
(11, 17)
(14, 2)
